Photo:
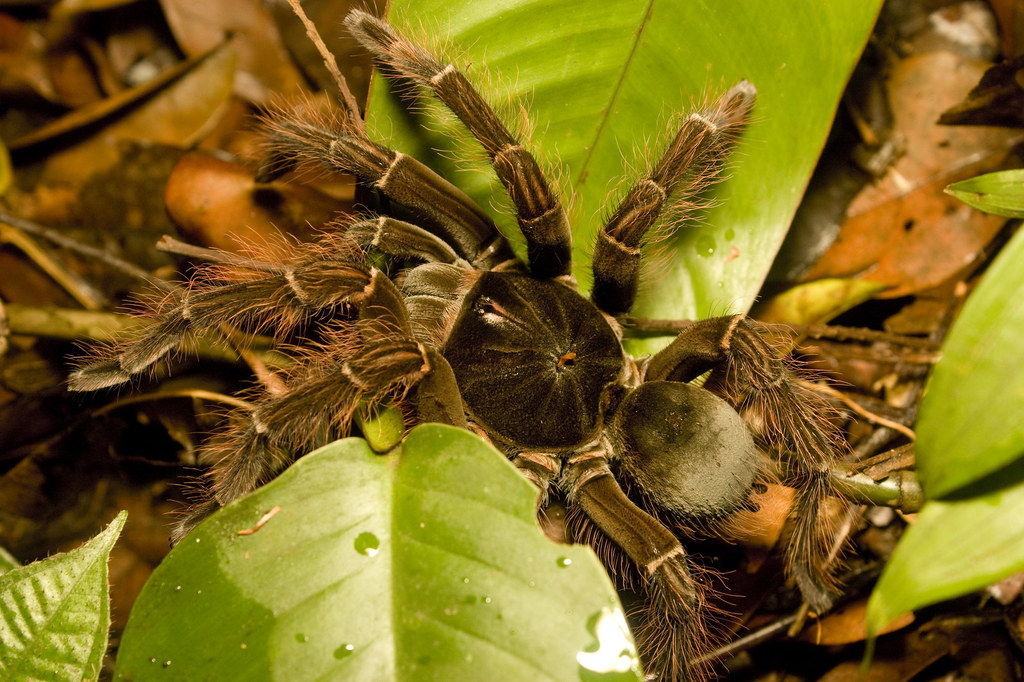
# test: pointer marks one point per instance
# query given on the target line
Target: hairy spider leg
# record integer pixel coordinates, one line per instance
(257, 296)
(400, 239)
(692, 160)
(302, 133)
(676, 600)
(783, 412)
(541, 217)
(385, 361)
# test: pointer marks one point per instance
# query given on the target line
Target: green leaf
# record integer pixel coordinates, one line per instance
(56, 613)
(970, 422)
(602, 82)
(970, 439)
(955, 547)
(424, 564)
(999, 193)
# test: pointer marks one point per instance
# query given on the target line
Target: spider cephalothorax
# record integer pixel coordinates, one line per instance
(459, 331)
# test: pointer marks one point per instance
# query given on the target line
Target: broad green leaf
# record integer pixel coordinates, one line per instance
(1000, 193)
(969, 455)
(971, 420)
(955, 546)
(602, 82)
(56, 613)
(424, 564)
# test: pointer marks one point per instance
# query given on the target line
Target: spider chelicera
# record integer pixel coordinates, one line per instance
(462, 332)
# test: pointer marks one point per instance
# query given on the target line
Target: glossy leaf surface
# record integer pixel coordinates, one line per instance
(1000, 193)
(969, 454)
(602, 83)
(971, 421)
(424, 564)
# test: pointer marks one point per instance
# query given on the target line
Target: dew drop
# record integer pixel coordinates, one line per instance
(152, 660)
(532, 584)
(486, 599)
(301, 638)
(465, 580)
(177, 588)
(563, 562)
(166, 664)
(344, 651)
(367, 544)
(706, 246)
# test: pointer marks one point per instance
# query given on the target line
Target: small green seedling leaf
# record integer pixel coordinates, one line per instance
(1000, 193)
(971, 422)
(56, 613)
(426, 563)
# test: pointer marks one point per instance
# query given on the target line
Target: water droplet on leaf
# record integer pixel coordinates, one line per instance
(344, 651)
(367, 544)
(705, 246)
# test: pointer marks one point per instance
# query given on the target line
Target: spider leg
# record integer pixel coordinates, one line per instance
(399, 239)
(675, 623)
(691, 161)
(783, 413)
(385, 362)
(267, 296)
(304, 134)
(542, 219)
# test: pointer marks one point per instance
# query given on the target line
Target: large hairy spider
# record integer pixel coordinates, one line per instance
(464, 333)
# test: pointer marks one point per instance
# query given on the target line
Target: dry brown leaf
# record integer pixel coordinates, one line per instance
(216, 203)
(23, 61)
(178, 115)
(264, 68)
(904, 231)
(846, 625)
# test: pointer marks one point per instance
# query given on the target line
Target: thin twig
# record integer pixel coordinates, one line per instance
(84, 249)
(169, 244)
(332, 65)
(864, 412)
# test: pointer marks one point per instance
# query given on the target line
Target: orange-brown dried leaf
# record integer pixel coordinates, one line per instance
(23, 68)
(903, 231)
(264, 67)
(846, 625)
(216, 203)
(178, 115)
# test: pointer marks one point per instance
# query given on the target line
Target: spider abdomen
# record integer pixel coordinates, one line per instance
(688, 450)
(533, 359)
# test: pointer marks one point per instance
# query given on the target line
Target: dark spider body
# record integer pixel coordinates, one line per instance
(463, 333)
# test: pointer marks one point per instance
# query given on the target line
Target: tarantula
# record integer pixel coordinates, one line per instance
(465, 334)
